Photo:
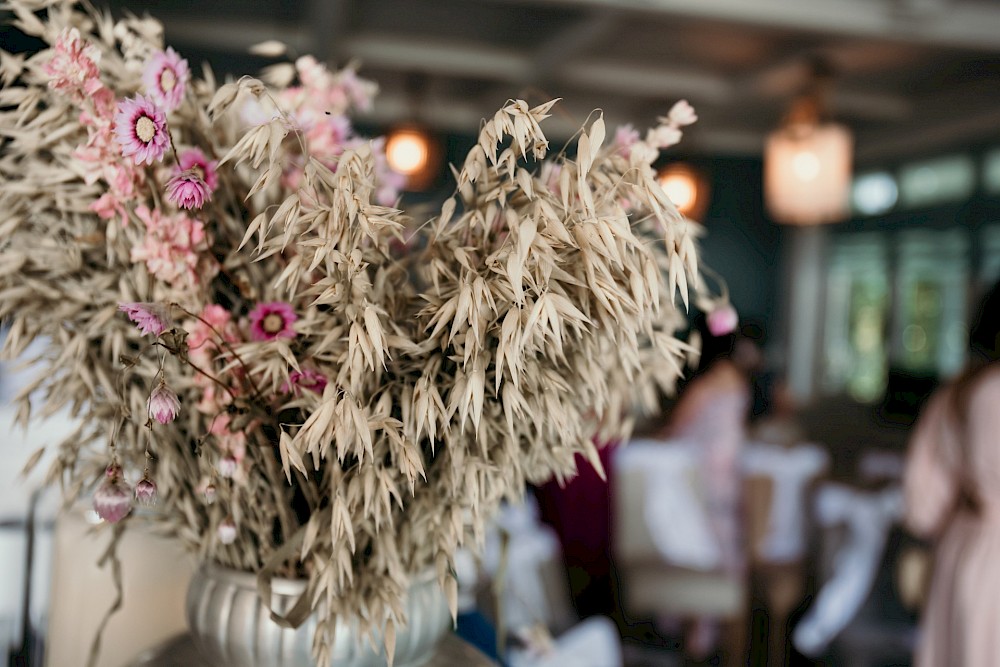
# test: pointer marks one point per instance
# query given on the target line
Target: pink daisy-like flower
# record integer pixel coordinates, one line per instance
(166, 77)
(113, 498)
(163, 404)
(722, 320)
(141, 130)
(305, 379)
(188, 190)
(145, 491)
(193, 158)
(272, 320)
(150, 318)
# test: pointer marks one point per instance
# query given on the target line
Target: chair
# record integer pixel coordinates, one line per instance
(667, 558)
(851, 615)
(777, 484)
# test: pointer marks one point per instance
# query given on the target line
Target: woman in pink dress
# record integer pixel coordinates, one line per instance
(952, 487)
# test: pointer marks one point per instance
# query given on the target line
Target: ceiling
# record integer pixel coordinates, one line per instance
(912, 76)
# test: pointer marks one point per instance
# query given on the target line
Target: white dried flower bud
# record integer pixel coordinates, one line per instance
(227, 531)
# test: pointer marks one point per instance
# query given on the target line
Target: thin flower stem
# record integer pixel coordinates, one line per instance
(277, 484)
(246, 369)
(208, 375)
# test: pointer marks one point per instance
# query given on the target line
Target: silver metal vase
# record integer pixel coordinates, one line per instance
(233, 628)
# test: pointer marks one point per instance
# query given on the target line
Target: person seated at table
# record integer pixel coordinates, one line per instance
(952, 490)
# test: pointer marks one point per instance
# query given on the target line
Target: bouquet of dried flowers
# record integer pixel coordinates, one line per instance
(306, 381)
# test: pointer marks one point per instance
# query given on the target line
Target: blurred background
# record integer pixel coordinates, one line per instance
(845, 168)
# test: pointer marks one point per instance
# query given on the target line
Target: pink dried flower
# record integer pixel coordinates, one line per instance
(625, 137)
(272, 320)
(203, 338)
(663, 136)
(305, 379)
(113, 498)
(165, 77)
(227, 466)
(210, 493)
(73, 68)
(172, 247)
(193, 158)
(163, 404)
(227, 531)
(150, 318)
(188, 190)
(141, 130)
(145, 491)
(722, 320)
(682, 114)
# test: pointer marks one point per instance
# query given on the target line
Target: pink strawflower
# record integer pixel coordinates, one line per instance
(150, 318)
(163, 404)
(722, 320)
(227, 531)
(113, 498)
(166, 77)
(145, 491)
(73, 68)
(193, 158)
(188, 190)
(305, 379)
(272, 320)
(141, 130)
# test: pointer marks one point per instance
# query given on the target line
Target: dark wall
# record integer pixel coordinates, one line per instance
(741, 243)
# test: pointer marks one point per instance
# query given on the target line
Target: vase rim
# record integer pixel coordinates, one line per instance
(284, 585)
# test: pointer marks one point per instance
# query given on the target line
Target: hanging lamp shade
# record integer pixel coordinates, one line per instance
(807, 173)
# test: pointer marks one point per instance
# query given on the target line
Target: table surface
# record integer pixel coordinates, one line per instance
(181, 652)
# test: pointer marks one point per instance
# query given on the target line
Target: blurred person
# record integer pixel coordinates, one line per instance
(711, 414)
(952, 491)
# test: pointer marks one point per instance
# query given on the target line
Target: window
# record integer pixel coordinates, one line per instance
(856, 317)
(932, 278)
(937, 181)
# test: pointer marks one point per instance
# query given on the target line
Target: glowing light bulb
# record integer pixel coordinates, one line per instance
(806, 165)
(681, 190)
(407, 152)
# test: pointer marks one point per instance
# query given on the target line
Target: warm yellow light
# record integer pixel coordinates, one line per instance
(806, 165)
(686, 187)
(681, 189)
(407, 152)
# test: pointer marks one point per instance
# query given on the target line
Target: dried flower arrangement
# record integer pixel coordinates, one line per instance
(307, 382)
